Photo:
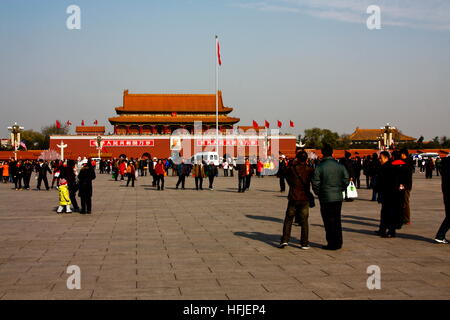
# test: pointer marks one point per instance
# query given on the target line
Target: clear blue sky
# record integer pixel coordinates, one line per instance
(310, 61)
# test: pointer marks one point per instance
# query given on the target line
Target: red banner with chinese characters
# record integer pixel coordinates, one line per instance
(123, 143)
(228, 142)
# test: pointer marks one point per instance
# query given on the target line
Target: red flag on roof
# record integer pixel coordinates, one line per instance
(291, 123)
(68, 123)
(279, 124)
(266, 124)
(219, 60)
(95, 122)
(58, 124)
(82, 122)
(255, 125)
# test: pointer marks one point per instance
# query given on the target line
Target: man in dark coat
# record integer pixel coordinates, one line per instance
(330, 181)
(391, 185)
(183, 172)
(27, 171)
(85, 177)
(42, 169)
(408, 185)
(281, 174)
(445, 176)
(349, 165)
(242, 174)
(69, 174)
(299, 176)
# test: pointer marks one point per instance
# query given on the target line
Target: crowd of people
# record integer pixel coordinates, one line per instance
(389, 175)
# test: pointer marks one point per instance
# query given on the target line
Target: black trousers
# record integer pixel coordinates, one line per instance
(225, 172)
(26, 181)
(199, 183)
(241, 184)
(445, 226)
(18, 182)
(40, 179)
(282, 184)
(72, 196)
(300, 209)
(248, 179)
(131, 178)
(86, 204)
(211, 181)
(160, 181)
(182, 180)
(331, 215)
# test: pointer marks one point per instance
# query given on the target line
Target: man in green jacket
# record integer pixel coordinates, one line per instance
(329, 181)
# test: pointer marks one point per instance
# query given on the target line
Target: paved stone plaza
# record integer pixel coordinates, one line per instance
(140, 243)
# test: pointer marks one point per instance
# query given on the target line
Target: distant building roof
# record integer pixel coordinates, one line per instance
(374, 134)
(90, 130)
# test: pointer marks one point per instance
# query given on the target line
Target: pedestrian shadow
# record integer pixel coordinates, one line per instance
(272, 239)
(399, 234)
(359, 222)
(359, 218)
(265, 218)
(272, 191)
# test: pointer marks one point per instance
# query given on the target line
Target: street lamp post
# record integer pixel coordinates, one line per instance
(15, 137)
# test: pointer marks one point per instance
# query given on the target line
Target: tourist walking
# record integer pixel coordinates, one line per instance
(183, 172)
(330, 181)
(445, 176)
(64, 197)
(298, 177)
(409, 163)
(241, 169)
(211, 172)
(5, 171)
(160, 171)
(85, 177)
(42, 169)
(27, 171)
(198, 171)
(281, 172)
(70, 175)
(131, 173)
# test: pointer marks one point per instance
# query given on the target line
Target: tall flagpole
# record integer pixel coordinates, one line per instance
(217, 96)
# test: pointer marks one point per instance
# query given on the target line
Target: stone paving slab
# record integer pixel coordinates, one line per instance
(141, 243)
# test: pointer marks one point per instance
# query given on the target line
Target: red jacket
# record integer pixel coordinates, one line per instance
(159, 169)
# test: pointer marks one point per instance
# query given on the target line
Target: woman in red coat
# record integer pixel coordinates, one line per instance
(122, 169)
(159, 172)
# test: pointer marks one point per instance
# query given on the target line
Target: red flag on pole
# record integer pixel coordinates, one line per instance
(291, 123)
(68, 123)
(219, 60)
(82, 122)
(58, 124)
(95, 122)
(255, 125)
(279, 124)
(266, 124)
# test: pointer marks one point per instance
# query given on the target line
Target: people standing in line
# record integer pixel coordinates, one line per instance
(298, 177)
(330, 181)
(42, 169)
(64, 197)
(85, 178)
(198, 171)
(160, 171)
(70, 175)
(409, 163)
(393, 178)
(131, 173)
(281, 172)
(183, 172)
(211, 172)
(27, 171)
(445, 176)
